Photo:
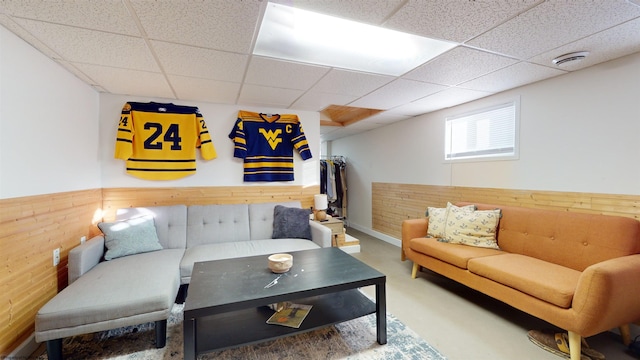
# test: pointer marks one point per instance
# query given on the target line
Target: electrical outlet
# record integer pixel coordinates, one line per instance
(83, 239)
(56, 257)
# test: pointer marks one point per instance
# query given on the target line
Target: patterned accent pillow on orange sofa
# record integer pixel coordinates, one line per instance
(474, 228)
(438, 219)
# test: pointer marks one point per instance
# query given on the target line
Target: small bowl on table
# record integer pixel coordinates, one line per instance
(280, 263)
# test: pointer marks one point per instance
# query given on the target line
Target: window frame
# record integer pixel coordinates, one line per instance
(493, 156)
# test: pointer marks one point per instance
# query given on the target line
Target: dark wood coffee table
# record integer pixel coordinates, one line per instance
(226, 305)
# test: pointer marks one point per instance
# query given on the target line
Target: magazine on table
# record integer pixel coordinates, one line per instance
(290, 315)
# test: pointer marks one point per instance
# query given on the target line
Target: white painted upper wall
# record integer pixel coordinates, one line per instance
(48, 124)
(57, 134)
(579, 132)
(225, 170)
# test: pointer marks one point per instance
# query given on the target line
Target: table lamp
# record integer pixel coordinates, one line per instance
(321, 205)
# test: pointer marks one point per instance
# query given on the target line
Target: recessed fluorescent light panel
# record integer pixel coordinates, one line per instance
(298, 35)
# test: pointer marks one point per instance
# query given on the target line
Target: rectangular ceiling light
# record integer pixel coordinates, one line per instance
(298, 35)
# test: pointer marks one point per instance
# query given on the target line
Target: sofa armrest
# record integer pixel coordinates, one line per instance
(320, 234)
(84, 257)
(607, 295)
(411, 229)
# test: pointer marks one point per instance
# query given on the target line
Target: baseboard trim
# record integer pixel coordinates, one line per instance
(384, 237)
(24, 350)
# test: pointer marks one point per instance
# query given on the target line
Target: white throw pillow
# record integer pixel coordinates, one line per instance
(438, 219)
(474, 228)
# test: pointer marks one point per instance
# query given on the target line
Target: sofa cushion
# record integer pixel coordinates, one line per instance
(208, 252)
(475, 228)
(129, 237)
(546, 281)
(454, 254)
(438, 219)
(208, 224)
(291, 223)
(108, 296)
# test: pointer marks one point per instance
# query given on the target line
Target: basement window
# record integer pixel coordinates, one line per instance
(486, 134)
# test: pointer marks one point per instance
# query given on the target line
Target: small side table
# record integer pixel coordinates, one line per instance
(337, 229)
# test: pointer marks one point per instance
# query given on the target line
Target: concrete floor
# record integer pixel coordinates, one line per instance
(462, 323)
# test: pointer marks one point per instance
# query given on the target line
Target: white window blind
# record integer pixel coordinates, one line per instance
(488, 133)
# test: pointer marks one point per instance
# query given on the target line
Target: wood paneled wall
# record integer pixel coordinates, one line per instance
(393, 202)
(119, 198)
(30, 229)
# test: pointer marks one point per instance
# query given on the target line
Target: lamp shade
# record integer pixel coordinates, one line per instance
(320, 202)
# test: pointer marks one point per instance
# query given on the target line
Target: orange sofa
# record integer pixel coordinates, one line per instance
(579, 272)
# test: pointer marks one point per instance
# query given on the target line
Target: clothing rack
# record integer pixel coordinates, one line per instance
(333, 182)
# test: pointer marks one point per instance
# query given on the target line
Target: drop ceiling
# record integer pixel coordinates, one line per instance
(202, 50)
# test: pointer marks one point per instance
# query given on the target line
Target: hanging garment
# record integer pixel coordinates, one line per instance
(266, 143)
(159, 141)
(323, 177)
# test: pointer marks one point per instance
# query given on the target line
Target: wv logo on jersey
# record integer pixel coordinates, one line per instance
(273, 137)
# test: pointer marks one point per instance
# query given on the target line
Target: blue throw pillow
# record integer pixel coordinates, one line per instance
(130, 237)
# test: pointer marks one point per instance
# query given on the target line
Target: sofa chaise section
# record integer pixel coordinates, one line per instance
(126, 291)
(122, 292)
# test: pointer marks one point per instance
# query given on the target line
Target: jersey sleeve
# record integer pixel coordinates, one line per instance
(204, 143)
(124, 137)
(300, 143)
(239, 139)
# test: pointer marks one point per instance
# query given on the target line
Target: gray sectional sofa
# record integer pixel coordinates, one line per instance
(139, 285)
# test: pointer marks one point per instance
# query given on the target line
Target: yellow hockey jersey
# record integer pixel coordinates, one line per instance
(159, 141)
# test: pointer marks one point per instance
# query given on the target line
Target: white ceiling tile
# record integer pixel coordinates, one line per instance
(362, 125)
(200, 49)
(330, 136)
(386, 117)
(455, 20)
(513, 76)
(351, 82)
(284, 74)
(105, 15)
(397, 93)
(267, 96)
(93, 47)
(554, 23)
(329, 129)
(128, 82)
(441, 100)
(21, 32)
(341, 132)
(459, 65)
(317, 101)
(609, 44)
(370, 11)
(220, 24)
(192, 61)
(194, 89)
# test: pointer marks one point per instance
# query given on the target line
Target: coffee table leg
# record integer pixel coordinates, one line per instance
(189, 336)
(381, 313)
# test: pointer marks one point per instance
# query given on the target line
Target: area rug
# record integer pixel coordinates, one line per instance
(355, 339)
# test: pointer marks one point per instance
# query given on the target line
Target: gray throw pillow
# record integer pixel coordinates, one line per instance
(291, 223)
(130, 237)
